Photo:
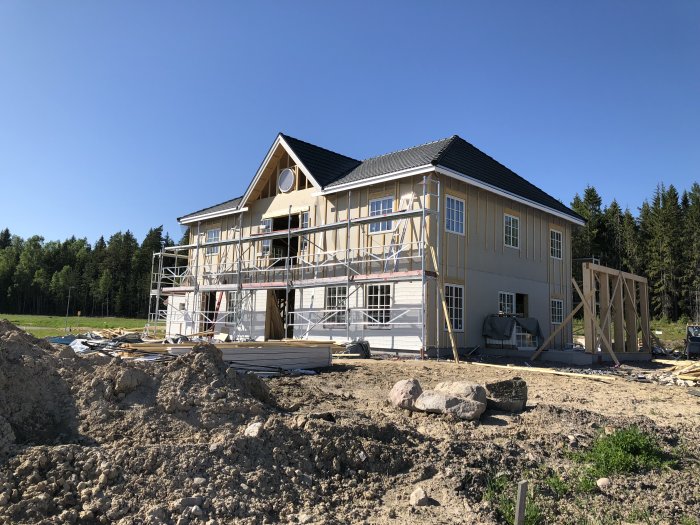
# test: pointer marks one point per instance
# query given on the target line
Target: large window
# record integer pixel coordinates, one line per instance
(378, 304)
(213, 235)
(266, 228)
(336, 296)
(511, 231)
(557, 311)
(506, 303)
(304, 244)
(454, 297)
(454, 215)
(381, 207)
(555, 244)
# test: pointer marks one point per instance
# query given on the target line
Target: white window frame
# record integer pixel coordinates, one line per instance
(304, 223)
(209, 238)
(336, 299)
(508, 237)
(386, 205)
(378, 314)
(501, 302)
(454, 217)
(556, 311)
(266, 243)
(454, 297)
(553, 248)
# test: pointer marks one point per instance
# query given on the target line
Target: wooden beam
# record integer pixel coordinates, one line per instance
(618, 313)
(596, 326)
(540, 370)
(604, 280)
(644, 311)
(631, 316)
(588, 314)
(556, 332)
(611, 271)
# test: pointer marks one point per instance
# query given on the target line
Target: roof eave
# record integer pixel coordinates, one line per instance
(212, 215)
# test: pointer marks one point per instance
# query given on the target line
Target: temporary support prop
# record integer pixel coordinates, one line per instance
(624, 311)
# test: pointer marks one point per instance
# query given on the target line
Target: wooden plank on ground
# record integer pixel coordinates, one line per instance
(540, 370)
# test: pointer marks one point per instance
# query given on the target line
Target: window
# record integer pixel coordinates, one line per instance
(304, 245)
(557, 311)
(233, 306)
(555, 244)
(378, 304)
(266, 228)
(454, 297)
(506, 303)
(511, 231)
(213, 235)
(454, 215)
(380, 207)
(336, 296)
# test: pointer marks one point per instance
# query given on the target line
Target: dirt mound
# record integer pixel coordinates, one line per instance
(36, 405)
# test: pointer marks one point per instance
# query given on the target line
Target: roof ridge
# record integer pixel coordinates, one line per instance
(436, 159)
(319, 147)
(409, 148)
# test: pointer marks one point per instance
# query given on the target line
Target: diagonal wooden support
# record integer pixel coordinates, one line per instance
(596, 325)
(556, 332)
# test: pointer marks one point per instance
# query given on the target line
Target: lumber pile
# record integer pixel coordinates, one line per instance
(687, 372)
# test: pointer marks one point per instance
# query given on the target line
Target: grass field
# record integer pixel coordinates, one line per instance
(51, 325)
(672, 334)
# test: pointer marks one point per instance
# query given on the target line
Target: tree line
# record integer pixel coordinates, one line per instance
(662, 243)
(110, 278)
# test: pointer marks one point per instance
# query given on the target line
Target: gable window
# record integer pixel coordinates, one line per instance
(506, 303)
(381, 207)
(511, 231)
(266, 228)
(304, 244)
(454, 215)
(336, 296)
(454, 297)
(213, 235)
(378, 304)
(557, 306)
(555, 244)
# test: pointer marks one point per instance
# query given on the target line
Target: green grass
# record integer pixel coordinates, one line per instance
(627, 450)
(49, 325)
(502, 493)
(672, 334)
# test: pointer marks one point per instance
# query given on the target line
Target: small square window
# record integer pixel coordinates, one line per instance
(555, 243)
(454, 215)
(511, 231)
(381, 207)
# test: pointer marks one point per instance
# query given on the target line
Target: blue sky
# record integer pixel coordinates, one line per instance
(126, 115)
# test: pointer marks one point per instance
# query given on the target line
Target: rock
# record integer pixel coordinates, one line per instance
(419, 498)
(304, 518)
(199, 481)
(603, 484)
(509, 395)
(254, 430)
(183, 503)
(463, 389)
(436, 402)
(404, 393)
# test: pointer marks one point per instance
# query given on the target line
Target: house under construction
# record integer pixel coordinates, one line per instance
(415, 251)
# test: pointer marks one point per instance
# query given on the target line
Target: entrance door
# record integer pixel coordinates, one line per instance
(207, 311)
(277, 309)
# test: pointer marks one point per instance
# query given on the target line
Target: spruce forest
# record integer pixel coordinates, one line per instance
(661, 242)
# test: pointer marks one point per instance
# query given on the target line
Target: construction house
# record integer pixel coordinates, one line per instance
(418, 250)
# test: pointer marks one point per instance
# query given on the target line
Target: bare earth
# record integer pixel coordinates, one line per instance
(95, 439)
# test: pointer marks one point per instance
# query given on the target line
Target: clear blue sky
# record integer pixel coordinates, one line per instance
(126, 115)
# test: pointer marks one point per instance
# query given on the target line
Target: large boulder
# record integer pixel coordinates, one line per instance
(436, 402)
(464, 389)
(404, 393)
(509, 395)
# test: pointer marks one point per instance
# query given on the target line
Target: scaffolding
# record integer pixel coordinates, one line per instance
(240, 271)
